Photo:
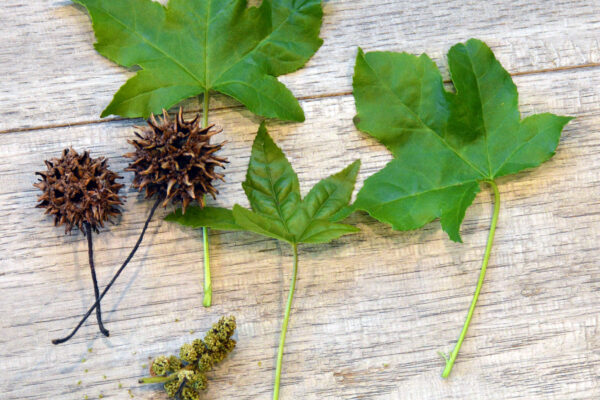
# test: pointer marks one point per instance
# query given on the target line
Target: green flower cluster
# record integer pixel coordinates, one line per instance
(185, 376)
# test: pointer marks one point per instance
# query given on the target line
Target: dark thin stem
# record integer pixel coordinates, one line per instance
(88, 233)
(97, 303)
(180, 390)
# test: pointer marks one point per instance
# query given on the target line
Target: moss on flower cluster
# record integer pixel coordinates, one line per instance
(185, 376)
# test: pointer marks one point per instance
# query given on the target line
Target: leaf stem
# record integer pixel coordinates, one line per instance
(488, 249)
(88, 234)
(207, 301)
(207, 281)
(205, 103)
(285, 323)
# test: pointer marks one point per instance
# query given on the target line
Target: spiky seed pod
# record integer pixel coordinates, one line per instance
(77, 189)
(175, 159)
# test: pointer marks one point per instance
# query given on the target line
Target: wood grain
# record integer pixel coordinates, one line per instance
(52, 76)
(371, 309)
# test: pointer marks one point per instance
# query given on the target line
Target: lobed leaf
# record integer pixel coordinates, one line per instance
(271, 184)
(192, 47)
(444, 144)
(278, 211)
(331, 194)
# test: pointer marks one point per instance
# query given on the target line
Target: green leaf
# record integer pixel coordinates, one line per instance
(278, 211)
(398, 94)
(192, 47)
(331, 194)
(271, 184)
(261, 224)
(540, 134)
(323, 231)
(213, 217)
(444, 144)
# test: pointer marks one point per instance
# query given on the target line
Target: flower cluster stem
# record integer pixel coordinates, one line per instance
(207, 301)
(88, 234)
(159, 200)
(488, 249)
(157, 379)
(164, 379)
(284, 327)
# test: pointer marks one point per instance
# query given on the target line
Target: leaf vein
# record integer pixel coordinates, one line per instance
(236, 62)
(380, 205)
(147, 41)
(441, 139)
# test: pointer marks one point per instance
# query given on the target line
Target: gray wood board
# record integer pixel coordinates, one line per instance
(371, 310)
(52, 76)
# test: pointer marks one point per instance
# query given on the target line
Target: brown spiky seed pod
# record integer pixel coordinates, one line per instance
(175, 159)
(78, 189)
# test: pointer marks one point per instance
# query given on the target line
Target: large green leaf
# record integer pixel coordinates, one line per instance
(277, 209)
(444, 144)
(192, 47)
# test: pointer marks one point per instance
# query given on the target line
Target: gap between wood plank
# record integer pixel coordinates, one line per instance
(319, 96)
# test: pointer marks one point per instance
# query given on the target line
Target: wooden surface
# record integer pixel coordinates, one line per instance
(371, 309)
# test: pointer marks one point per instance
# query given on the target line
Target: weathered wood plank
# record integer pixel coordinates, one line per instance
(53, 75)
(371, 309)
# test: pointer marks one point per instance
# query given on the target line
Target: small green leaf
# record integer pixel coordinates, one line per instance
(192, 47)
(444, 143)
(278, 211)
(261, 224)
(343, 213)
(271, 184)
(323, 231)
(331, 194)
(213, 217)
